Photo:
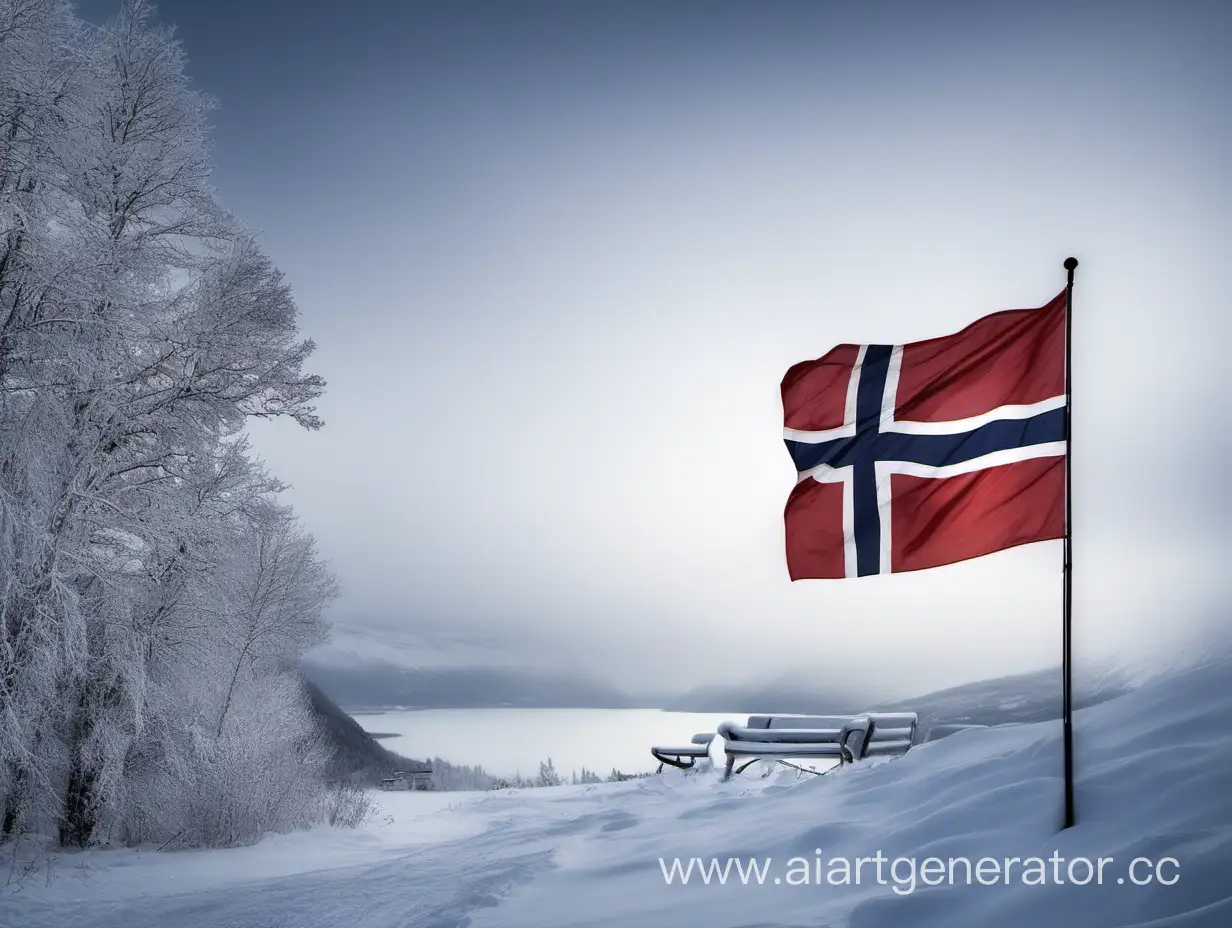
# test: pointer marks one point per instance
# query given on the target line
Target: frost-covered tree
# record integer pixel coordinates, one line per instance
(547, 774)
(153, 594)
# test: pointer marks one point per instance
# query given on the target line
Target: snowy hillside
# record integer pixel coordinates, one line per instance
(1153, 783)
(371, 684)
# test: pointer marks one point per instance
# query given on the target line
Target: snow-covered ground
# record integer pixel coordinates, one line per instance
(1155, 781)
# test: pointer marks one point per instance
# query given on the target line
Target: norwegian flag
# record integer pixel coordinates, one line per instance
(917, 455)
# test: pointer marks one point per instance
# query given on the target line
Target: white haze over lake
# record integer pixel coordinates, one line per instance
(506, 742)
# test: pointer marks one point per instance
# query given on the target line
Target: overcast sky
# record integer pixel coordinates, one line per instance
(558, 256)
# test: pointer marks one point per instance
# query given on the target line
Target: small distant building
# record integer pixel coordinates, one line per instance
(419, 777)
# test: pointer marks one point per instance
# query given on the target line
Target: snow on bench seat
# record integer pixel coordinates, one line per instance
(845, 738)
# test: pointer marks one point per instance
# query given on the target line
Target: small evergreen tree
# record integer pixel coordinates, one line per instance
(547, 774)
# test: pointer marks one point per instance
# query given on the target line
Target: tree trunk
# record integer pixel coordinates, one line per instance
(80, 810)
(13, 803)
(80, 806)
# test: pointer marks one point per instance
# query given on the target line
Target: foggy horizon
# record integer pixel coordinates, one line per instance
(557, 260)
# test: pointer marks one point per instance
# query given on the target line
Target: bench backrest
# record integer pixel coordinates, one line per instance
(798, 721)
(883, 734)
(889, 726)
(873, 734)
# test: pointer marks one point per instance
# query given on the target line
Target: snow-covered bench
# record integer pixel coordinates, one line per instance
(685, 757)
(846, 739)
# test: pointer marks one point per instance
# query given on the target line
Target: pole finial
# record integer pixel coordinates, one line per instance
(1070, 263)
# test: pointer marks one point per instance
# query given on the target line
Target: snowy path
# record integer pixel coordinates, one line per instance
(433, 885)
(1153, 783)
(399, 883)
(438, 889)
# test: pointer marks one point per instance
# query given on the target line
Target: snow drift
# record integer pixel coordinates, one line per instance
(1152, 782)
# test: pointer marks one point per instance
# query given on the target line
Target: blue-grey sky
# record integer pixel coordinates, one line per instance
(557, 257)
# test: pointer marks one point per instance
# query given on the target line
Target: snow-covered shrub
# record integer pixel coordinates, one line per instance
(618, 776)
(348, 805)
(263, 772)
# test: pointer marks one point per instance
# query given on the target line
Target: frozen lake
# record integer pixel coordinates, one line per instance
(511, 741)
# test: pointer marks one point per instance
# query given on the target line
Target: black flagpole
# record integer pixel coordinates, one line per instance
(1067, 722)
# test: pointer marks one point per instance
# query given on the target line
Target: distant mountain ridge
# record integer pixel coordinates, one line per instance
(376, 685)
(776, 696)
